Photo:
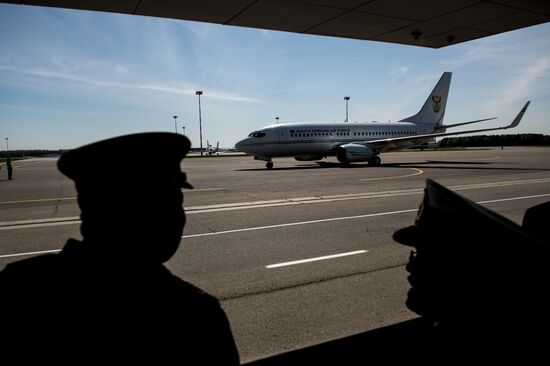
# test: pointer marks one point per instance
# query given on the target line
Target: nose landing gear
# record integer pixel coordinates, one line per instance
(267, 159)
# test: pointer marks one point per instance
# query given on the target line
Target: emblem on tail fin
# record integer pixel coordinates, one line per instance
(436, 103)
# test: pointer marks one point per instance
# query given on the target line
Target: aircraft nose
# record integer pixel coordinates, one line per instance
(239, 145)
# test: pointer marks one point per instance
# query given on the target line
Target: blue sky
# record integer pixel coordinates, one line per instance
(71, 77)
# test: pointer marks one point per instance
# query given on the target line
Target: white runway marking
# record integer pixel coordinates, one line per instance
(203, 190)
(28, 224)
(74, 198)
(514, 198)
(30, 253)
(279, 225)
(418, 172)
(298, 223)
(277, 265)
(38, 200)
(353, 196)
(344, 218)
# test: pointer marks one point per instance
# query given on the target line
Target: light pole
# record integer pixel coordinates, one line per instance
(277, 118)
(175, 124)
(346, 99)
(183, 128)
(199, 93)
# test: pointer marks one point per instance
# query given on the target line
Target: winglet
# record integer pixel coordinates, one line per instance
(518, 118)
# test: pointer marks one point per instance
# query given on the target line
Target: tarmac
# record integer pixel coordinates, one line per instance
(299, 254)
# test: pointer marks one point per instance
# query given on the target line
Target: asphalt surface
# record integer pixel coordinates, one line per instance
(299, 254)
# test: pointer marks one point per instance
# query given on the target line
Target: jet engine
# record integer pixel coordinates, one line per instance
(309, 157)
(353, 153)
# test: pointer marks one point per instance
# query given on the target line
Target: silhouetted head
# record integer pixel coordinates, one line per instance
(535, 221)
(471, 263)
(130, 193)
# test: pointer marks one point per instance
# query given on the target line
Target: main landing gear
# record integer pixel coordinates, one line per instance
(269, 165)
(375, 160)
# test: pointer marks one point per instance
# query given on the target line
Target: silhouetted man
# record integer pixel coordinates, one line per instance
(9, 166)
(109, 297)
(479, 278)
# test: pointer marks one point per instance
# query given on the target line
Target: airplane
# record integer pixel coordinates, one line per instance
(210, 149)
(359, 141)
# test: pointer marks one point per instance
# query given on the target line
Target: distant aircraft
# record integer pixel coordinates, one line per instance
(360, 141)
(210, 150)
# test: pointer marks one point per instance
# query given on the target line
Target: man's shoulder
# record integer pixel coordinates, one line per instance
(188, 290)
(41, 263)
(175, 293)
(30, 275)
(44, 264)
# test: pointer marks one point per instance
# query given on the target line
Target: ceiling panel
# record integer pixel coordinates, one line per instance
(211, 11)
(417, 9)
(359, 25)
(119, 6)
(511, 22)
(476, 14)
(341, 4)
(436, 21)
(430, 34)
(290, 16)
(537, 6)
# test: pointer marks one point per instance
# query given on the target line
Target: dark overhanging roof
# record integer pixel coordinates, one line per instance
(427, 23)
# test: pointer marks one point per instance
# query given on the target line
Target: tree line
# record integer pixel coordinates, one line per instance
(30, 153)
(525, 139)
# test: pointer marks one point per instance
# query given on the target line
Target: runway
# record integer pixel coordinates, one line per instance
(299, 254)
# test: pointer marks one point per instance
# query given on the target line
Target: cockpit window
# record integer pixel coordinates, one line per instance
(257, 134)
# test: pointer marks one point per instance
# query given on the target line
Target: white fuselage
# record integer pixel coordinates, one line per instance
(322, 139)
(359, 141)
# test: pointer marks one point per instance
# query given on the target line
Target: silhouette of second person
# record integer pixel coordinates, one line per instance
(479, 278)
(110, 295)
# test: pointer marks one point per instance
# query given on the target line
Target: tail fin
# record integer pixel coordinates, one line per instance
(434, 108)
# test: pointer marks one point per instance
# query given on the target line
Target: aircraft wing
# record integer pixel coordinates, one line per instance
(409, 141)
(465, 123)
